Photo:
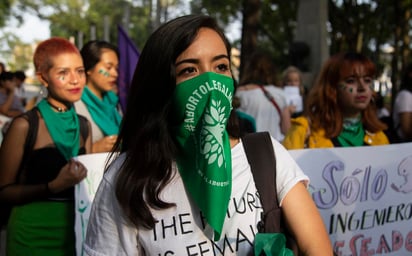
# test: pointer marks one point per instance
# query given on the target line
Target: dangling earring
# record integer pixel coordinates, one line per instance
(43, 91)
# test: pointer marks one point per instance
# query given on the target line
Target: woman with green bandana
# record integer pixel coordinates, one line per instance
(99, 102)
(180, 182)
(38, 172)
(339, 110)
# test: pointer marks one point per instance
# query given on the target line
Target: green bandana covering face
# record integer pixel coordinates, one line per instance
(103, 111)
(63, 127)
(352, 133)
(201, 108)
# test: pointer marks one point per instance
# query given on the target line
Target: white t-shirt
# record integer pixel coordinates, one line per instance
(255, 103)
(403, 103)
(181, 230)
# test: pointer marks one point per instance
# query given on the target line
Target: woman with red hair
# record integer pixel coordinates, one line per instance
(38, 173)
(339, 109)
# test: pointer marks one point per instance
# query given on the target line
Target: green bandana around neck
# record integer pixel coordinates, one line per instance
(63, 127)
(352, 133)
(271, 244)
(103, 111)
(201, 109)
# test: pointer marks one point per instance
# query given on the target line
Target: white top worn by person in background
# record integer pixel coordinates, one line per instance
(81, 109)
(177, 231)
(403, 104)
(254, 102)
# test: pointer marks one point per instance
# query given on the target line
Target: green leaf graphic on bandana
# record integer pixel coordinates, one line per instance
(201, 108)
(212, 144)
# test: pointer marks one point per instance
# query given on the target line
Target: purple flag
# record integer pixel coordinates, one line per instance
(128, 57)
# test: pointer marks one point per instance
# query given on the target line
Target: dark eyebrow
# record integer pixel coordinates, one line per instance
(109, 63)
(195, 61)
(61, 68)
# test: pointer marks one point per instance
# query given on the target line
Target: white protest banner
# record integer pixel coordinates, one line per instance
(364, 195)
(84, 193)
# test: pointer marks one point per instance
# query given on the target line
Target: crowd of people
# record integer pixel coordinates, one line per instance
(12, 101)
(177, 148)
(38, 171)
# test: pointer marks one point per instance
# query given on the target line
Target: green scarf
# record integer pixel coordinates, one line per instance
(63, 127)
(352, 133)
(103, 111)
(271, 244)
(201, 108)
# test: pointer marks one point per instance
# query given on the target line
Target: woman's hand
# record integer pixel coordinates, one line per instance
(292, 109)
(71, 174)
(105, 144)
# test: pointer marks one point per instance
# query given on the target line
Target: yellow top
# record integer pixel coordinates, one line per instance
(300, 136)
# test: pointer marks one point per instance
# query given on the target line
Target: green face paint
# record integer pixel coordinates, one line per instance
(345, 87)
(104, 73)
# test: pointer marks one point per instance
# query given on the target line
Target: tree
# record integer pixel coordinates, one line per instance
(80, 18)
(401, 40)
(21, 54)
(250, 26)
(5, 15)
(5, 6)
(266, 24)
(366, 26)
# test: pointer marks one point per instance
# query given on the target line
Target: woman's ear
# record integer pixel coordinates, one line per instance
(42, 80)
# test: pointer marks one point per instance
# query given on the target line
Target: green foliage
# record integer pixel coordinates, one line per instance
(5, 6)
(71, 18)
(353, 24)
(21, 53)
(224, 11)
(278, 23)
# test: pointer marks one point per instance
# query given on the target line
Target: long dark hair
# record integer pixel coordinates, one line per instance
(260, 69)
(92, 52)
(144, 135)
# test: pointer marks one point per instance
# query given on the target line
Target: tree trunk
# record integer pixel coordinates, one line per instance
(405, 37)
(250, 26)
(396, 52)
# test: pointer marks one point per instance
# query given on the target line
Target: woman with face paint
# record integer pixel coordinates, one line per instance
(99, 102)
(38, 173)
(339, 110)
(178, 183)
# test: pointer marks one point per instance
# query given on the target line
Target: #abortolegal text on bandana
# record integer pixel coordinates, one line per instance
(201, 108)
